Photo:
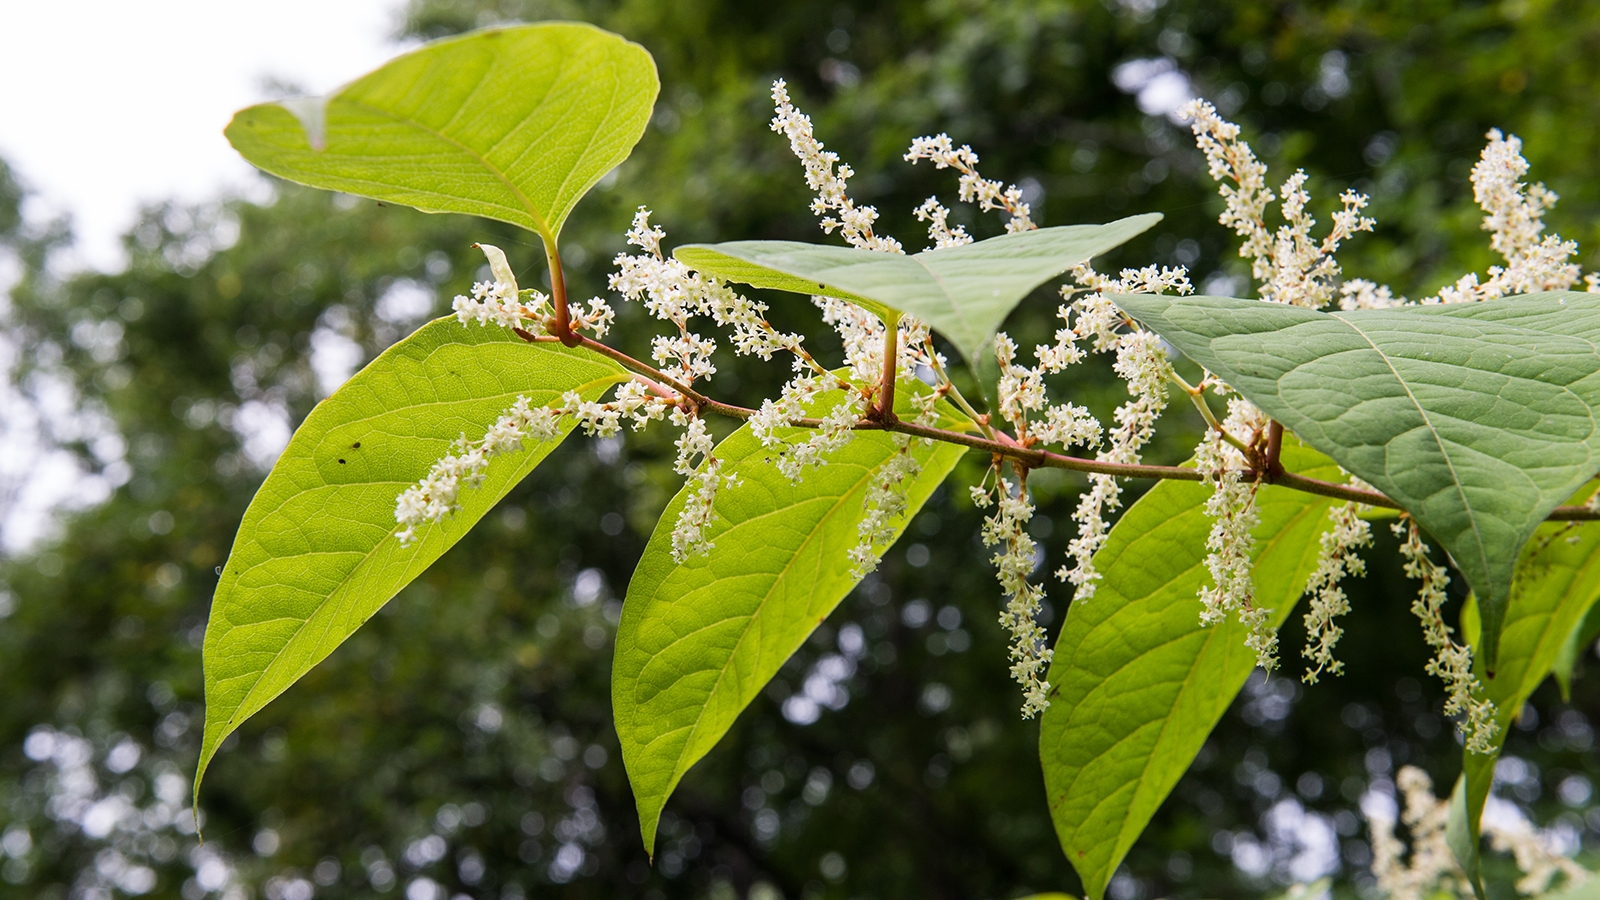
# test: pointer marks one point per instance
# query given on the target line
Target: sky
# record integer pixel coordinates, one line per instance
(109, 104)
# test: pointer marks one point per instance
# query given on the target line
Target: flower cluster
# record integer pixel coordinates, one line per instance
(673, 292)
(1514, 218)
(699, 510)
(939, 231)
(854, 222)
(1289, 265)
(1014, 561)
(1142, 362)
(1452, 662)
(941, 151)
(1432, 865)
(437, 495)
(689, 536)
(500, 302)
(1328, 601)
(885, 505)
(1535, 853)
(1432, 869)
(1231, 544)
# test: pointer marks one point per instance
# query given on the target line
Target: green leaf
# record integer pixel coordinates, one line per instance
(699, 639)
(316, 555)
(514, 124)
(1582, 638)
(1557, 584)
(1461, 838)
(964, 293)
(1137, 682)
(1477, 418)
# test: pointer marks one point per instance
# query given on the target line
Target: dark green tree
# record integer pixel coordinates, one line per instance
(461, 741)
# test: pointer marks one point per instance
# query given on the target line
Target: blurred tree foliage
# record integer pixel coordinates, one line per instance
(460, 744)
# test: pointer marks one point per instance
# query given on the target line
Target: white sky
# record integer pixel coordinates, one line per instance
(109, 104)
(105, 104)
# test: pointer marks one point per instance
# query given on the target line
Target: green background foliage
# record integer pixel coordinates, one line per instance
(475, 706)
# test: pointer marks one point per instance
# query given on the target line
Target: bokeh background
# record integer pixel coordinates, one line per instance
(460, 744)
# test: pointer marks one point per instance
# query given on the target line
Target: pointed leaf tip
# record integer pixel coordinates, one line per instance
(964, 293)
(1477, 418)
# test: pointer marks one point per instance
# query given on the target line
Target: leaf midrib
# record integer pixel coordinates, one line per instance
(540, 225)
(1167, 723)
(1277, 538)
(1455, 477)
(338, 588)
(765, 597)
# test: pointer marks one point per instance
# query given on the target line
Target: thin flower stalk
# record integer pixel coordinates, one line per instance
(1348, 533)
(1015, 560)
(1451, 662)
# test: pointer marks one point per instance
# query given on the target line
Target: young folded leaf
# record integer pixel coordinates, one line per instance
(1139, 682)
(1477, 418)
(317, 554)
(514, 124)
(964, 293)
(699, 639)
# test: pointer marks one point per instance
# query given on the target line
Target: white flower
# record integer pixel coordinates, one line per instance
(689, 532)
(695, 441)
(1015, 560)
(884, 505)
(1289, 265)
(673, 292)
(498, 302)
(1231, 544)
(941, 151)
(1514, 217)
(437, 495)
(1452, 662)
(1328, 601)
(854, 223)
(939, 231)
(1144, 365)
(1432, 865)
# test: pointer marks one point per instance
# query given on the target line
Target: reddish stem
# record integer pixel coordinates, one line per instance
(1006, 446)
(891, 356)
(562, 326)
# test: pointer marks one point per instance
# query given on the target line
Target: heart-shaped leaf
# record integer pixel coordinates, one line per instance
(316, 554)
(514, 124)
(964, 293)
(699, 639)
(1138, 682)
(1477, 418)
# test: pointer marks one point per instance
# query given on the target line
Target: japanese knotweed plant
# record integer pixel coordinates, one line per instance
(1468, 418)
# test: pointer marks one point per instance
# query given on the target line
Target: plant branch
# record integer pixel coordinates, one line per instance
(1197, 394)
(891, 358)
(562, 326)
(1274, 448)
(1003, 446)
